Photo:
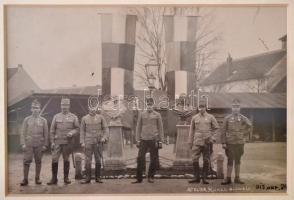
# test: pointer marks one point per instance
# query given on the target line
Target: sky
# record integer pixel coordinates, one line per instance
(61, 46)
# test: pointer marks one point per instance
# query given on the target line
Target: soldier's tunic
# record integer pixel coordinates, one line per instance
(149, 131)
(93, 130)
(234, 132)
(201, 131)
(34, 136)
(61, 125)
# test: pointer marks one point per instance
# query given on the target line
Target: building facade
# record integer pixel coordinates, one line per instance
(261, 73)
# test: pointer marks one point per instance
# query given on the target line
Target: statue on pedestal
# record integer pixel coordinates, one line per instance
(114, 108)
(183, 153)
(183, 110)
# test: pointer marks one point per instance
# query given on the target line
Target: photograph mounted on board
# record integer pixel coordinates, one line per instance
(138, 99)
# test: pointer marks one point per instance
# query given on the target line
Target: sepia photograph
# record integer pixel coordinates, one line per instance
(141, 99)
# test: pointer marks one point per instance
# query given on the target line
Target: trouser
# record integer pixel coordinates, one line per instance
(234, 153)
(91, 149)
(197, 151)
(29, 153)
(157, 163)
(65, 150)
(146, 145)
(210, 170)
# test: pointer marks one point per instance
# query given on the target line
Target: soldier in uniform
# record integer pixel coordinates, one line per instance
(63, 127)
(149, 136)
(234, 131)
(34, 140)
(93, 133)
(203, 126)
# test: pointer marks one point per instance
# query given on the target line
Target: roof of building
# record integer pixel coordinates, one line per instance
(75, 90)
(283, 38)
(247, 68)
(280, 87)
(216, 100)
(20, 83)
(248, 100)
(11, 72)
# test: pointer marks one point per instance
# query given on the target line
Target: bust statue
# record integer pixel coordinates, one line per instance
(114, 108)
(183, 110)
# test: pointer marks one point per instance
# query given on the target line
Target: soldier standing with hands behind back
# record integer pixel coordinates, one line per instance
(202, 129)
(234, 131)
(93, 133)
(149, 136)
(34, 140)
(63, 127)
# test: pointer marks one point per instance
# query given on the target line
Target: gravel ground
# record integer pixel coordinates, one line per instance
(263, 165)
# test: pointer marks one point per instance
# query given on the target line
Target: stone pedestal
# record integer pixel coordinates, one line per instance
(78, 166)
(115, 160)
(220, 166)
(183, 152)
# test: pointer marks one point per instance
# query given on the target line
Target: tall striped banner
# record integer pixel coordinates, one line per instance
(118, 52)
(180, 38)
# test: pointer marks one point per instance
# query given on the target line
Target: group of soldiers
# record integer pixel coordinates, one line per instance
(94, 133)
(233, 137)
(65, 125)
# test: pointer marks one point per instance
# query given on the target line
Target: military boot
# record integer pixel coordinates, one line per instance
(88, 175)
(98, 173)
(66, 172)
(238, 181)
(26, 168)
(196, 173)
(150, 179)
(38, 170)
(227, 181)
(237, 172)
(204, 179)
(204, 172)
(54, 174)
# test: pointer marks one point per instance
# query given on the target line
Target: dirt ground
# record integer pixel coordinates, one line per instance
(263, 169)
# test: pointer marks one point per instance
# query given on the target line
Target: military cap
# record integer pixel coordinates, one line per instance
(36, 103)
(202, 102)
(65, 101)
(236, 102)
(149, 100)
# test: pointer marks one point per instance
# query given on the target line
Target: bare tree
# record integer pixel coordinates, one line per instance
(207, 40)
(150, 42)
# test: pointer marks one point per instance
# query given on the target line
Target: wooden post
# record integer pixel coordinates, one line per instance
(273, 127)
(17, 121)
(251, 130)
(132, 138)
(147, 164)
(18, 129)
